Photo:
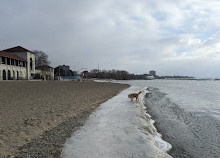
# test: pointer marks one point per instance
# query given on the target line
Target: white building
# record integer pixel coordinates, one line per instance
(17, 63)
(44, 72)
(12, 66)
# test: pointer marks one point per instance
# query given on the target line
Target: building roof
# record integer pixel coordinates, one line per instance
(17, 49)
(9, 55)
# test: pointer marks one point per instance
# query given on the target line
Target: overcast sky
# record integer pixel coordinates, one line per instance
(173, 37)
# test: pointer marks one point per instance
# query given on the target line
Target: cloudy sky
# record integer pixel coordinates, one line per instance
(173, 37)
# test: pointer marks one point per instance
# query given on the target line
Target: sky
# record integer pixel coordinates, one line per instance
(172, 37)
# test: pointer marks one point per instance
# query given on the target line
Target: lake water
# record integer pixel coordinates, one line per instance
(187, 114)
(196, 96)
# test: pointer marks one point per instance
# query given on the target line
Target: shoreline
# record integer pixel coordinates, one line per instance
(40, 118)
(119, 128)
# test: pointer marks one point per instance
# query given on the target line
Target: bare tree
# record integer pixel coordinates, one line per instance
(41, 58)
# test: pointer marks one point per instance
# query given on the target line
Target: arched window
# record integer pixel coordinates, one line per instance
(31, 63)
(9, 75)
(4, 75)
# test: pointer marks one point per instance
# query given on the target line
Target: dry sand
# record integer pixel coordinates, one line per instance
(37, 117)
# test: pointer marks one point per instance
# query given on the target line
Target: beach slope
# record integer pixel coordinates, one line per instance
(36, 118)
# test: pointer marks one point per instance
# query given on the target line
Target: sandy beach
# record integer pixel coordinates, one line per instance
(36, 118)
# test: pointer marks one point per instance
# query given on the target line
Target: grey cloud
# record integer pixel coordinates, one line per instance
(126, 34)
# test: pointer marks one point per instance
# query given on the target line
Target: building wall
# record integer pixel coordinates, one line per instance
(15, 71)
(27, 56)
(18, 72)
(29, 70)
(46, 74)
(153, 73)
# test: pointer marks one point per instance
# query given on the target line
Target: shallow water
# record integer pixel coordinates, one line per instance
(119, 128)
(187, 114)
(191, 134)
(194, 96)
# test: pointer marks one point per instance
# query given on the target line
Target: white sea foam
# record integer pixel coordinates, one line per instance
(119, 128)
(163, 145)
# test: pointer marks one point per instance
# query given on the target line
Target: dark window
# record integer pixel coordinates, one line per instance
(8, 61)
(31, 63)
(3, 60)
(16, 62)
(12, 62)
(4, 75)
(24, 65)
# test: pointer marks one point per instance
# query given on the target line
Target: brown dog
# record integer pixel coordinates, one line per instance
(134, 95)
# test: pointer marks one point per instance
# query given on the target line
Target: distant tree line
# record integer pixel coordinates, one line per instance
(176, 77)
(138, 77)
(58, 71)
(110, 74)
(114, 74)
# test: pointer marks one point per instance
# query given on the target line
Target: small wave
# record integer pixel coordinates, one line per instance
(163, 145)
(191, 134)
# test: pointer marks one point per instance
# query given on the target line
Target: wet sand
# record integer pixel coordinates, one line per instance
(36, 118)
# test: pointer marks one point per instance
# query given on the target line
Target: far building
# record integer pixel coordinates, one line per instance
(44, 72)
(152, 73)
(85, 74)
(62, 70)
(65, 68)
(18, 63)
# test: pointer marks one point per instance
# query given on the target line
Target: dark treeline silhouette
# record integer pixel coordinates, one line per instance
(110, 74)
(58, 71)
(177, 77)
(138, 77)
(114, 74)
